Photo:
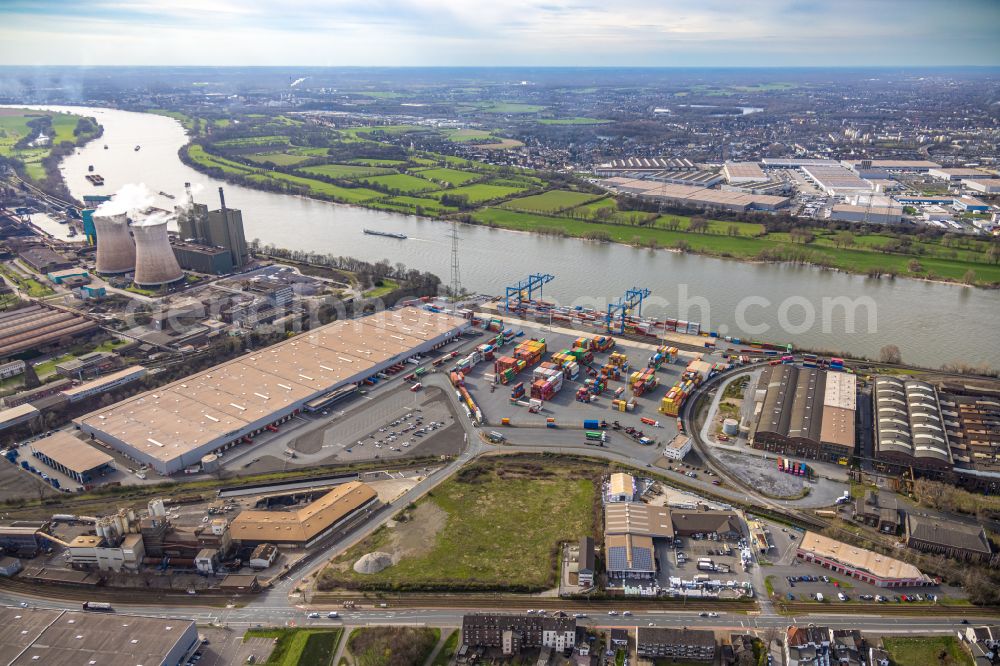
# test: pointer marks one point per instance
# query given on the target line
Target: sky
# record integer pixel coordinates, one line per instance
(646, 33)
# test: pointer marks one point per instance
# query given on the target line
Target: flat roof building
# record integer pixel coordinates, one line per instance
(304, 526)
(865, 565)
(34, 636)
(836, 180)
(105, 383)
(983, 186)
(621, 487)
(743, 172)
(37, 326)
(957, 173)
(175, 425)
(17, 415)
(67, 454)
(695, 195)
(867, 214)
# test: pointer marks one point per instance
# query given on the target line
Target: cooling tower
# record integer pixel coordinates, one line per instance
(155, 263)
(115, 248)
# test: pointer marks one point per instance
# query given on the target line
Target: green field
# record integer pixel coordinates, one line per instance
(345, 170)
(497, 531)
(481, 192)
(606, 209)
(573, 121)
(243, 142)
(510, 107)
(410, 204)
(299, 647)
(402, 182)
(461, 135)
(392, 646)
(280, 159)
(551, 201)
(926, 651)
(446, 175)
(377, 162)
(346, 194)
(197, 153)
(387, 287)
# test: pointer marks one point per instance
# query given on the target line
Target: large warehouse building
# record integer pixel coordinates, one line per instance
(302, 527)
(836, 180)
(910, 431)
(174, 426)
(806, 412)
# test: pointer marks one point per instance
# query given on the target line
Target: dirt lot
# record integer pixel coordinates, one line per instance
(16, 483)
(763, 474)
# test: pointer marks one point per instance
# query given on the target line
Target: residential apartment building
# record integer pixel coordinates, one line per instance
(514, 633)
(675, 644)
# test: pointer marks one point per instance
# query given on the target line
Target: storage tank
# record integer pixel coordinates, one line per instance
(731, 427)
(155, 263)
(210, 463)
(115, 247)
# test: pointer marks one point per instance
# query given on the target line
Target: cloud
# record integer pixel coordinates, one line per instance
(500, 32)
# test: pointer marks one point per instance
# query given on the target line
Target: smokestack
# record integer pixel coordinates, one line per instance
(155, 263)
(115, 247)
(222, 200)
(190, 195)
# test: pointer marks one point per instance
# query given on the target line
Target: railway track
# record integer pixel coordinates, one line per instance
(522, 602)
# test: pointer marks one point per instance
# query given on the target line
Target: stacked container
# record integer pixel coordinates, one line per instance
(603, 343)
(582, 394)
(495, 324)
(642, 381)
(837, 364)
(547, 381)
(530, 351)
(506, 367)
(622, 405)
(517, 392)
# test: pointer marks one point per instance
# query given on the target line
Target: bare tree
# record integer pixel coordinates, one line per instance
(890, 354)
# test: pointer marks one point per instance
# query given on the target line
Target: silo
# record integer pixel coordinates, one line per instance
(156, 508)
(115, 247)
(155, 263)
(209, 463)
(731, 427)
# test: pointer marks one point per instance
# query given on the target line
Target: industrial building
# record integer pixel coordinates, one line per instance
(639, 165)
(878, 511)
(303, 527)
(105, 383)
(39, 326)
(836, 180)
(865, 565)
(911, 166)
(950, 538)
(15, 416)
(695, 196)
(24, 538)
(221, 228)
(972, 422)
(630, 529)
(805, 412)
(620, 488)
(174, 426)
(202, 258)
(910, 431)
(957, 173)
(87, 365)
(43, 259)
(513, 633)
(867, 214)
(983, 186)
(78, 460)
(40, 636)
(743, 172)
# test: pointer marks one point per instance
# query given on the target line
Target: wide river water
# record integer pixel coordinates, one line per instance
(931, 323)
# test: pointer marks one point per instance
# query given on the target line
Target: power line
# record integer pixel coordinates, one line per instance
(456, 279)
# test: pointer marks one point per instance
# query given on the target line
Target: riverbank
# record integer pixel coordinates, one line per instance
(443, 187)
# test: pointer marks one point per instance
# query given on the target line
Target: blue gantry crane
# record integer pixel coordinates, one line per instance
(525, 289)
(627, 305)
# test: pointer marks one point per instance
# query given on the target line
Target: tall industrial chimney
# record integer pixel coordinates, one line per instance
(155, 263)
(222, 201)
(115, 247)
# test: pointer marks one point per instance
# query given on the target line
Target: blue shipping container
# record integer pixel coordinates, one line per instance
(591, 424)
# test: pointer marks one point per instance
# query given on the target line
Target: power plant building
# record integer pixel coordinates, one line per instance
(221, 228)
(174, 426)
(202, 258)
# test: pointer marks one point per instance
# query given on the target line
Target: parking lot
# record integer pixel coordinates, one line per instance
(226, 646)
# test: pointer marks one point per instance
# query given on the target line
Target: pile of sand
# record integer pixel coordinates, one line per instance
(372, 563)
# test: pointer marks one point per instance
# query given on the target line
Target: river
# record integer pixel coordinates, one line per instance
(931, 323)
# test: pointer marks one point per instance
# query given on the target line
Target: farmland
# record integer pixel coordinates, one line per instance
(466, 542)
(402, 182)
(481, 192)
(345, 171)
(61, 128)
(446, 175)
(551, 201)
